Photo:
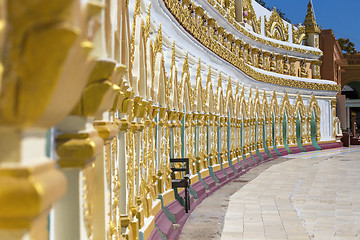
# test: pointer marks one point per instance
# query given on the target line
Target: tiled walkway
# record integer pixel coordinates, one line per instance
(314, 196)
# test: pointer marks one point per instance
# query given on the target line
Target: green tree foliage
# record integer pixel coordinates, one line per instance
(347, 46)
(282, 14)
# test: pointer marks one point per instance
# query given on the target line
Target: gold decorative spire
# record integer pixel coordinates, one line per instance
(185, 68)
(158, 41)
(237, 89)
(198, 71)
(137, 8)
(173, 64)
(257, 94)
(173, 55)
(310, 23)
(147, 27)
(208, 80)
(229, 88)
(219, 85)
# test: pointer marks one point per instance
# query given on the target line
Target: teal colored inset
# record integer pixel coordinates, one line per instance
(313, 132)
(299, 134)
(228, 140)
(211, 170)
(203, 182)
(212, 174)
(273, 137)
(256, 147)
(193, 192)
(156, 139)
(168, 214)
(285, 133)
(196, 141)
(254, 159)
(219, 147)
(264, 140)
(48, 143)
(183, 137)
(178, 197)
(207, 143)
(241, 142)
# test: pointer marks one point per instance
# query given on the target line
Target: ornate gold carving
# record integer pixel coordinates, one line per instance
(298, 34)
(88, 194)
(187, 21)
(310, 22)
(251, 17)
(275, 28)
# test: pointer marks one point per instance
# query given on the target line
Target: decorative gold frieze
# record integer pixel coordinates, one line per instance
(249, 34)
(183, 17)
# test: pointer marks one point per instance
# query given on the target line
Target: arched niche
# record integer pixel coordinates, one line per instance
(285, 118)
(300, 114)
(244, 121)
(313, 131)
(274, 119)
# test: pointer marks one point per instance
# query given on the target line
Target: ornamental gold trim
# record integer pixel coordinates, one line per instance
(199, 33)
(250, 35)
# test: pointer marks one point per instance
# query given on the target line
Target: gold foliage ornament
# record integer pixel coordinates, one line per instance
(298, 34)
(275, 27)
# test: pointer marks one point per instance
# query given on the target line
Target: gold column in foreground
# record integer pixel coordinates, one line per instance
(44, 70)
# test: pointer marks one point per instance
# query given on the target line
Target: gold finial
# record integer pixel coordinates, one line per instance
(185, 68)
(142, 25)
(162, 59)
(243, 91)
(208, 80)
(257, 93)
(173, 55)
(219, 85)
(158, 41)
(310, 23)
(198, 71)
(237, 88)
(147, 27)
(229, 88)
(137, 8)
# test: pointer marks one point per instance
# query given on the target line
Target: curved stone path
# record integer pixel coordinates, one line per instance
(313, 195)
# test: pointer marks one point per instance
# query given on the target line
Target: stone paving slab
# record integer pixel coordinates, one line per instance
(314, 196)
(207, 220)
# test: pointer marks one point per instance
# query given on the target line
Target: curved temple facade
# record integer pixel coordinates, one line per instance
(97, 96)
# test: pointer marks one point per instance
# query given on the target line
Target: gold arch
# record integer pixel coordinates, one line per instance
(276, 20)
